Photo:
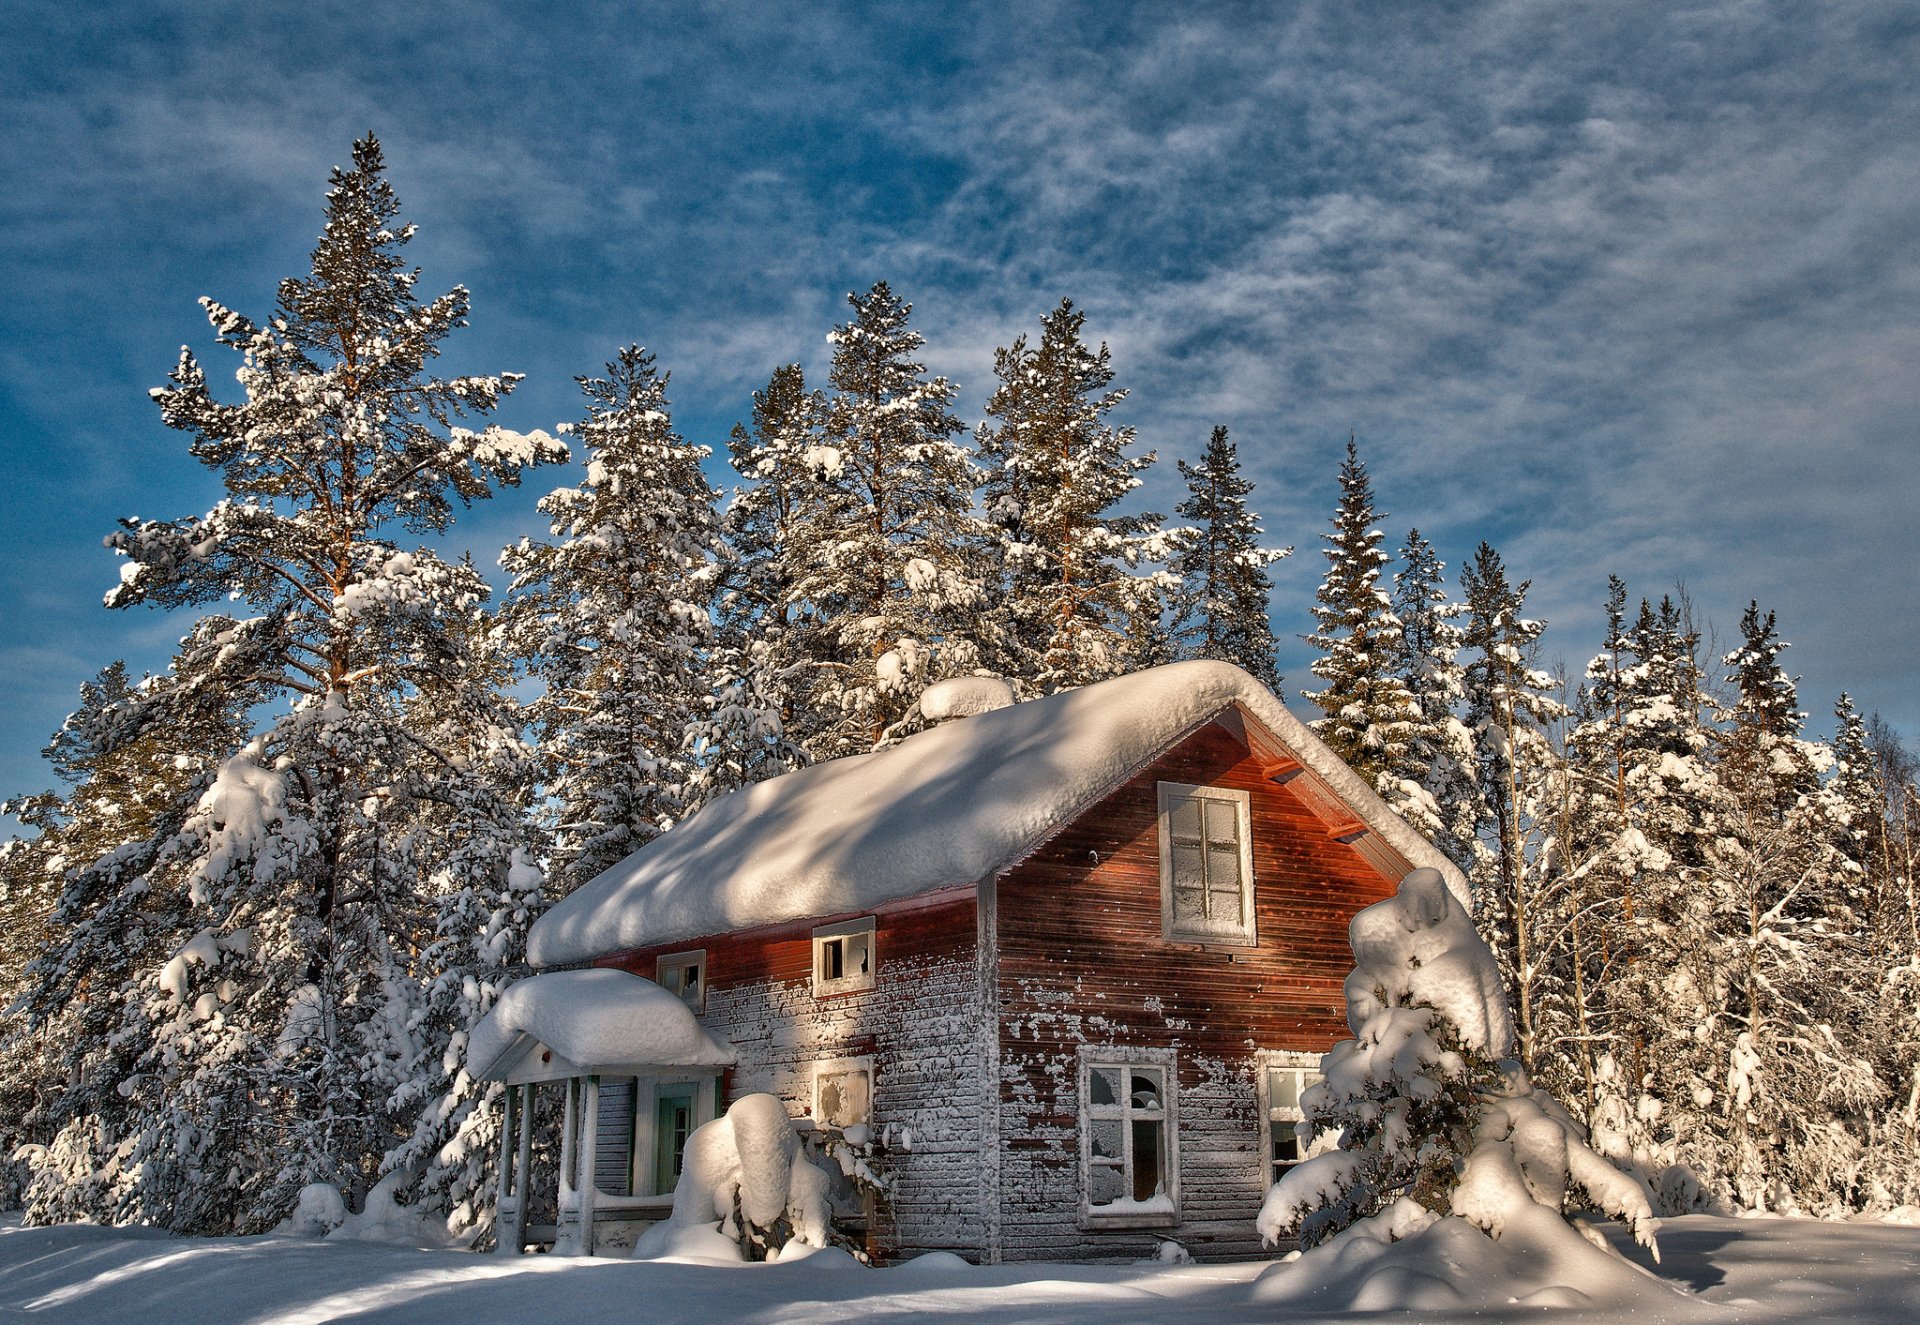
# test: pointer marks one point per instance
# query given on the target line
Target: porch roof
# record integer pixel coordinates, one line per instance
(571, 1023)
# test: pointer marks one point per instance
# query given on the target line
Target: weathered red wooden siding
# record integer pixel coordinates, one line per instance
(921, 1022)
(1082, 960)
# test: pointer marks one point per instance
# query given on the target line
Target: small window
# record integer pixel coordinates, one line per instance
(685, 974)
(843, 957)
(1128, 1138)
(843, 1093)
(1285, 1077)
(1206, 864)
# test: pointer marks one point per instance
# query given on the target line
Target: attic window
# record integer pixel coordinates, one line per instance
(1206, 864)
(843, 957)
(685, 974)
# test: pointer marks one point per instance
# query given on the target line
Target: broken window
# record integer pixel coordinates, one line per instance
(843, 957)
(1127, 1133)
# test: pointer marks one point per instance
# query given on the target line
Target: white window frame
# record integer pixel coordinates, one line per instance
(1170, 794)
(828, 1067)
(1126, 1058)
(849, 981)
(672, 963)
(1266, 1061)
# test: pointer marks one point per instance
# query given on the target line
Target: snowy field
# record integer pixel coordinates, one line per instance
(1734, 1270)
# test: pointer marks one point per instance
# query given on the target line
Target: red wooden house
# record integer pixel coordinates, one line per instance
(1076, 956)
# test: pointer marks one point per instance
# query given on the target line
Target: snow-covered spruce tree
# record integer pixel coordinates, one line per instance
(612, 618)
(1441, 1133)
(762, 717)
(85, 920)
(1798, 1086)
(1369, 716)
(1070, 568)
(1433, 783)
(1220, 607)
(891, 561)
(291, 1031)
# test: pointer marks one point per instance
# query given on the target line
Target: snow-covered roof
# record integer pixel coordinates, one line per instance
(949, 806)
(591, 1019)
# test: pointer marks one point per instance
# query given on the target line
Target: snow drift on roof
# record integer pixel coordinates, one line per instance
(949, 806)
(594, 1018)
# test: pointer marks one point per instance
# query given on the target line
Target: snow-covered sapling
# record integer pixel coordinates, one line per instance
(1435, 1120)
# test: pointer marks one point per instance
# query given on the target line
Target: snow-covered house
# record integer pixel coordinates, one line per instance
(1075, 958)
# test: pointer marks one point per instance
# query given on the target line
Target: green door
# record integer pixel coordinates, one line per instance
(672, 1122)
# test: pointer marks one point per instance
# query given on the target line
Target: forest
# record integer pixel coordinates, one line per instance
(246, 938)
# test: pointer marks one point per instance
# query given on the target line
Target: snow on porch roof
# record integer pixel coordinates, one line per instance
(949, 806)
(592, 1019)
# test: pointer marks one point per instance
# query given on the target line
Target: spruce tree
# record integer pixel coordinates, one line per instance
(1368, 714)
(287, 1040)
(1220, 608)
(891, 559)
(770, 638)
(1074, 591)
(613, 618)
(1433, 783)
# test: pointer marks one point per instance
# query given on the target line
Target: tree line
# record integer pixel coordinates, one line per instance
(289, 871)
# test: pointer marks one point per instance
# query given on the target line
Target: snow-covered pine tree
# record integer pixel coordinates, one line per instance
(1073, 588)
(1510, 707)
(1433, 783)
(891, 562)
(288, 1033)
(1369, 716)
(613, 618)
(769, 637)
(1220, 608)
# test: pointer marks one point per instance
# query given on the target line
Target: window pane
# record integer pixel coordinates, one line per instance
(1224, 906)
(1283, 1089)
(1145, 1089)
(859, 953)
(1184, 818)
(1286, 1144)
(1106, 1139)
(1147, 1179)
(1186, 867)
(832, 959)
(1105, 1184)
(1223, 821)
(1189, 908)
(1103, 1085)
(1223, 868)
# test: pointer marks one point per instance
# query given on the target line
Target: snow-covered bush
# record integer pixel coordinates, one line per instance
(746, 1190)
(1444, 1140)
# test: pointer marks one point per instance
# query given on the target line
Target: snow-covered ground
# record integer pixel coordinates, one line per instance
(1766, 1270)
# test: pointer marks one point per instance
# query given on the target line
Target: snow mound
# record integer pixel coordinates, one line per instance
(1406, 1258)
(317, 1211)
(594, 1018)
(947, 807)
(964, 697)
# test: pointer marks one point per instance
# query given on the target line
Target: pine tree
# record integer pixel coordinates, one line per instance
(1073, 592)
(613, 618)
(1220, 608)
(1369, 715)
(1433, 783)
(325, 852)
(891, 559)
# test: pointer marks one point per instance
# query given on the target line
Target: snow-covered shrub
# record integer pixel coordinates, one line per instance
(1443, 1138)
(746, 1176)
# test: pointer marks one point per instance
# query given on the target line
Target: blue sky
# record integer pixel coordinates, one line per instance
(1618, 287)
